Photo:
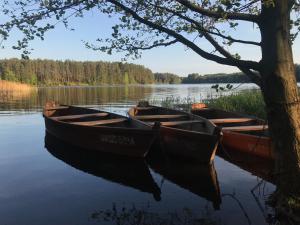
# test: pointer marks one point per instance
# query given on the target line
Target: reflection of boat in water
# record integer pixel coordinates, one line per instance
(255, 165)
(131, 172)
(197, 178)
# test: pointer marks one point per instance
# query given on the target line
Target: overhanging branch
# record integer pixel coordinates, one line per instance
(196, 23)
(219, 15)
(183, 40)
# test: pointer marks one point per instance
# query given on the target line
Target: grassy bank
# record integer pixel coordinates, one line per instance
(246, 102)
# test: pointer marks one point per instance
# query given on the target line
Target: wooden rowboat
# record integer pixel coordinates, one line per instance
(98, 130)
(181, 134)
(240, 132)
(126, 171)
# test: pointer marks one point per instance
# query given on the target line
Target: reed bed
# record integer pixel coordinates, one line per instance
(14, 91)
(14, 86)
(247, 102)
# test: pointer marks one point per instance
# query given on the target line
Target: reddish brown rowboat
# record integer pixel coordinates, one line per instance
(181, 134)
(240, 132)
(98, 130)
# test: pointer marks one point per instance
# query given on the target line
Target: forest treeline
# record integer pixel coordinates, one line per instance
(224, 78)
(215, 78)
(50, 72)
(167, 78)
(54, 72)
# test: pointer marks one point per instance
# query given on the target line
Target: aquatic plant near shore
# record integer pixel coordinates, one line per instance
(14, 90)
(14, 86)
(144, 216)
(247, 102)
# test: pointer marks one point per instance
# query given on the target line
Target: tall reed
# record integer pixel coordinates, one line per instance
(13, 91)
(14, 86)
(248, 102)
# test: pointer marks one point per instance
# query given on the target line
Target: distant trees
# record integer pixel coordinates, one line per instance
(216, 78)
(50, 72)
(196, 78)
(54, 72)
(167, 78)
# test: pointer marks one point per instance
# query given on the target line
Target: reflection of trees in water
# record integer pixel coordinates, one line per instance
(143, 216)
(76, 96)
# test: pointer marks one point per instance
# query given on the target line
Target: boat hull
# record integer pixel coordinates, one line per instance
(188, 145)
(251, 144)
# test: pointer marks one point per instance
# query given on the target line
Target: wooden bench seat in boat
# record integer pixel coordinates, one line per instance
(231, 120)
(100, 122)
(80, 116)
(163, 116)
(246, 128)
(176, 123)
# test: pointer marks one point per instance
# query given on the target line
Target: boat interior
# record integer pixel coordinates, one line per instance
(87, 117)
(230, 121)
(170, 118)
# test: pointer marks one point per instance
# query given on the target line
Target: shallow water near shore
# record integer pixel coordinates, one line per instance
(43, 182)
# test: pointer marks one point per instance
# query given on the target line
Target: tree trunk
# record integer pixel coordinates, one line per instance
(280, 93)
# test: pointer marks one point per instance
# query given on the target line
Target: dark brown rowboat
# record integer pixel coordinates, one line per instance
(240, 132)
(181, 134)
(98, 130)
(126, 171)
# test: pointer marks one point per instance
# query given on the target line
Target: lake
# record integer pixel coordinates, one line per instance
(44, 182)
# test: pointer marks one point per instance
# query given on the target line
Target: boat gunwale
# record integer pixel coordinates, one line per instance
(146, 129)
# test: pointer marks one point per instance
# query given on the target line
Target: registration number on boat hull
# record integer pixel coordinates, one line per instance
(117, 139)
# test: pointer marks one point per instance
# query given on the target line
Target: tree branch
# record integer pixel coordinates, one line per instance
(253, 76)
(183, 40)
(219, 15)
(219, 48)
(218, 33)
(165, 44)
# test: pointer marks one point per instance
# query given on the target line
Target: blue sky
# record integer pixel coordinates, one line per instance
(62, 44)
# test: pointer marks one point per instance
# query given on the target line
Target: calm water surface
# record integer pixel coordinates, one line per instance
(43, 183)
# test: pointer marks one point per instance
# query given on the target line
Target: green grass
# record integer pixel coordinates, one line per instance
(247, 102)
(174, 103)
